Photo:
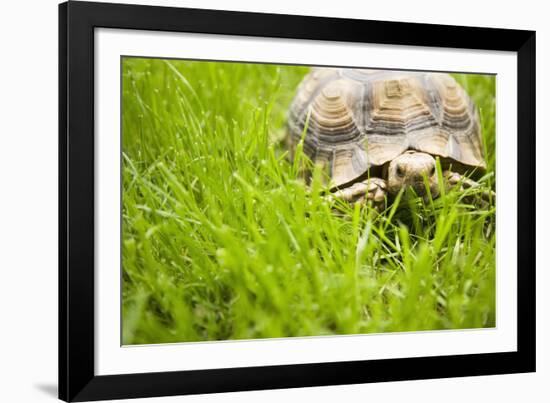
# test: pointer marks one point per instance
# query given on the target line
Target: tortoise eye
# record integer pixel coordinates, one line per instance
(400, 171)
(432, 171)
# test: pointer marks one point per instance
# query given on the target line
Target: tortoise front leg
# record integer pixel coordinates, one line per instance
(372, 191)
(455, 179)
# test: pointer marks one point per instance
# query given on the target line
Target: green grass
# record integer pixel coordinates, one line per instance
(222, 241)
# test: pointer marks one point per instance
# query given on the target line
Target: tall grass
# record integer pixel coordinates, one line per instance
(222, 241)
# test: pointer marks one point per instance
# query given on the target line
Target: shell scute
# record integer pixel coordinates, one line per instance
(357, 119)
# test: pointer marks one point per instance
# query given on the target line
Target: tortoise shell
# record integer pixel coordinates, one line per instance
(358, 119)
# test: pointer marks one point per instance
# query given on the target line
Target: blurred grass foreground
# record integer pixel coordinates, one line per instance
(222, 241)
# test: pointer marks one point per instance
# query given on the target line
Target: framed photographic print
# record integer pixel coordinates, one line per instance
(259, 201)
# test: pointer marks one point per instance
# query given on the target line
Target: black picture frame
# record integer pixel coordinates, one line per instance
(77, 379)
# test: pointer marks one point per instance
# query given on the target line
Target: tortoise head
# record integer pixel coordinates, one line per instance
(410, 170)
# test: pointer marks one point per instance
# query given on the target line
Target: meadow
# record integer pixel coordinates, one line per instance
(222, 240)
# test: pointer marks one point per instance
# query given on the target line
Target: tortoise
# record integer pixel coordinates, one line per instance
(376, 132)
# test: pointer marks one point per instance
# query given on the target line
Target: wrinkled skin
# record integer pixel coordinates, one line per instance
(412, 169)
